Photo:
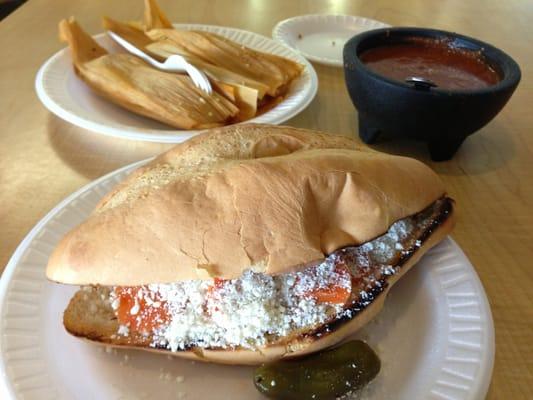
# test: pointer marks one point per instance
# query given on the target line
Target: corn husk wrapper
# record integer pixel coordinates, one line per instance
(130, 31)
(154, 18)
(244, 97)
(128, 81)
(273, 71)
(164, 49)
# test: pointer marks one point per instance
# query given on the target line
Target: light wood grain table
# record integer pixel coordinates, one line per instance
(43, 159)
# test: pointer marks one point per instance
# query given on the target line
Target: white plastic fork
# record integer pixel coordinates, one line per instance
(174, 63)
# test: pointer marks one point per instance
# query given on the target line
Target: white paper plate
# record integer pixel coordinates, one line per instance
(69, 98)
(435, 335)
(321, 38)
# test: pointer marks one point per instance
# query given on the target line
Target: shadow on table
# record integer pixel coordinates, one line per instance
(94, 155)
(487, 150)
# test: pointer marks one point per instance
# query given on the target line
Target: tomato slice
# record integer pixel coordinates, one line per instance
(135, 312)
(218, 283)
(140, 315)
(211, 300)
(333, 293)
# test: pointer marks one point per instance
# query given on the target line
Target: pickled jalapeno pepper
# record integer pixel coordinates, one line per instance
(326, 375)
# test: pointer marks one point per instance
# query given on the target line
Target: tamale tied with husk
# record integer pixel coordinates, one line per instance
(166, 49)
(128, 81)
(272, 71)
(244, 94)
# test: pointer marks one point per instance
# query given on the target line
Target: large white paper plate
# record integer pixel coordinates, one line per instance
(435, 335)
(69, 98)
(321, 38)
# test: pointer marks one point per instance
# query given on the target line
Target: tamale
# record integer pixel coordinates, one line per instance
(244, 97)
(273, 71)
(128, 81)
(154, 18)
(130, 33)
(166, 49)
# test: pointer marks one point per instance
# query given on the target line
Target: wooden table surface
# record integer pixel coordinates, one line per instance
(43, 159)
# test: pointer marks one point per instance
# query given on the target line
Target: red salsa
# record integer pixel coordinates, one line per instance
(448, 67)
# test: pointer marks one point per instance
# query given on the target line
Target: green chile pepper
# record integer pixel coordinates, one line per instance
(322, 376)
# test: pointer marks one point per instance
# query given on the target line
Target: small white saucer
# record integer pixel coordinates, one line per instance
(321, 38)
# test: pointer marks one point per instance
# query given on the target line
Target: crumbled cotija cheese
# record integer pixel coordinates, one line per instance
(255, 308)
(242, 312)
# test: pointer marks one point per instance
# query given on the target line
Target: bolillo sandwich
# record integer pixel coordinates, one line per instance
(248, 244)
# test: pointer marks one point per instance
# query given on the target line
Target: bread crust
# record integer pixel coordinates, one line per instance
(271, 197)
(103, 330)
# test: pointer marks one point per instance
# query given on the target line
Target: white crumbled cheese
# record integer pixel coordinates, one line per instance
(242, 312)
(256, 308)
(135, 309)
(115, 302)
(383, 248)
(123, 330)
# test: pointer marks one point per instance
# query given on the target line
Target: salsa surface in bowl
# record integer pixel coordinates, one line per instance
(447, 67)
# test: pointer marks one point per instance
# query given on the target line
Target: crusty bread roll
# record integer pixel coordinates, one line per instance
(89, 316)
(271, 197)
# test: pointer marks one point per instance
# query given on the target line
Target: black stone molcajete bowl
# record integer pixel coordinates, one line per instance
(442, 118)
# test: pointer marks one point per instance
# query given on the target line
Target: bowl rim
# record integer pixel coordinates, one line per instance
(510, 79)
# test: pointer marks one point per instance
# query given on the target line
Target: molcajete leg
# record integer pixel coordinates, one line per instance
(442, 147)
(368, 130)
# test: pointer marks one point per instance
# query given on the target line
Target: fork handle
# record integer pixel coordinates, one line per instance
(134, 50)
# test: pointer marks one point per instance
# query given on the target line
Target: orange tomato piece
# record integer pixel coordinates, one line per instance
(218, 283)
(147, 316)
(210, 305)
(333, 293)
